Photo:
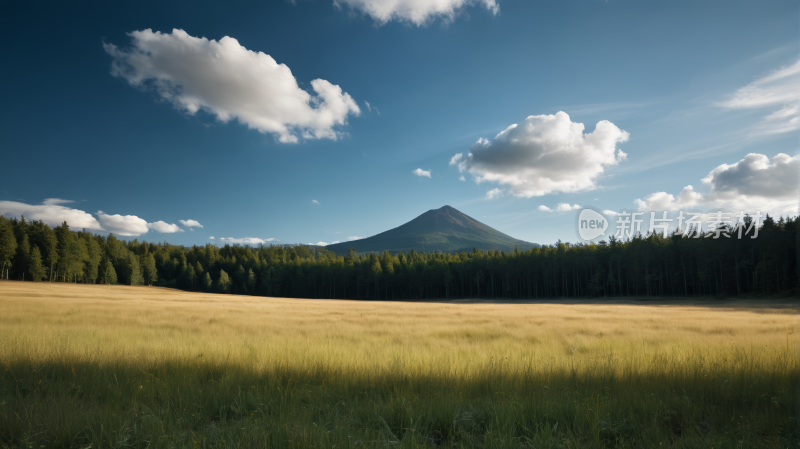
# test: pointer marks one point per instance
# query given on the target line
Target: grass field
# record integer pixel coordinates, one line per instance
(116, 366)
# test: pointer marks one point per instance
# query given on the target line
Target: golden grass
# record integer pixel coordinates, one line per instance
(352, 341)
(156, 323)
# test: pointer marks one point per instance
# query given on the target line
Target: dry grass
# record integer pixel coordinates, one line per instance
(588, 366)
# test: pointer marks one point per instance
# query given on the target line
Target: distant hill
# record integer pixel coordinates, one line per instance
(445, 229)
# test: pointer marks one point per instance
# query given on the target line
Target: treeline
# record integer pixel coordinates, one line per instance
(652, 265)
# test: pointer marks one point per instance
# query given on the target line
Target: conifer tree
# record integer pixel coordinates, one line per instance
(135, 271)
(8, 246)
(109, 273)
(35, 268)
(224, 282)
(23, 256)
(149, 269)
(208, 284)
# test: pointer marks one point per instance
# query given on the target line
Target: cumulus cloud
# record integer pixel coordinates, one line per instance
(418, 12)
(211, 238)
(561, 207)
(246, 240)
(462, 178)
(422, 173)
(754, 183)
(315, 202)
(164, 227)
(355, 237)
(610, 213)
(229, 81)
(51, 213)
(778, 89)
(124, 225)
(544, 154)
(494, 193)
(190, 223)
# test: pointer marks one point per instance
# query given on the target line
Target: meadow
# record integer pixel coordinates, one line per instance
(85, 366)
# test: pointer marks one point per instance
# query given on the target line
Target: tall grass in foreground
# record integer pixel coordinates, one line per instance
(137, 367)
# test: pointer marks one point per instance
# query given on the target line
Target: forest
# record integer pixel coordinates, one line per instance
(645, 265)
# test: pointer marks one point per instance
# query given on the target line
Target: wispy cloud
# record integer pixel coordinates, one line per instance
(780, 88)
(316, 202)
(246, 240)
(417, 12)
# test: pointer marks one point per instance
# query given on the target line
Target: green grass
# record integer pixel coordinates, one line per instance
(141, 367)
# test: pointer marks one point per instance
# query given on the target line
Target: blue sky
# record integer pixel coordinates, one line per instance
(131, 123)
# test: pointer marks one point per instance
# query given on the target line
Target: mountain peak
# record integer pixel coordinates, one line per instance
(445, 229)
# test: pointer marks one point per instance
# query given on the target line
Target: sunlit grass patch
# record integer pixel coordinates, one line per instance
(147, 367)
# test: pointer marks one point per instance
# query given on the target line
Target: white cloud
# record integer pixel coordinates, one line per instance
(51, 213)
(544, 154)
(369, 108)
(316, 202)
(55, 201)
(54, 215)
(610, 213)
(355, 237)
(247, 240)
(190, 223)
(124, 225)
(164, 227)
(321, 244)
(422, 173)
(418, 12)
(561, 207)
(211, 238)
(461, 178)
(565, 207)
(494, 193)
(231, 82)
(778, 89)
(754, 183)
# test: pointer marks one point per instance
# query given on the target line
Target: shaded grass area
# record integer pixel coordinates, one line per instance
(80, 377)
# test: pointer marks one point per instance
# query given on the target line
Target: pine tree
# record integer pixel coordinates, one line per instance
(95, 255)
(251, 282)
(23, 256)
(135, 271)
(224, 282)
(109, 274)
(35, 268)
(8, 245)
(149, 268)
(208, 284)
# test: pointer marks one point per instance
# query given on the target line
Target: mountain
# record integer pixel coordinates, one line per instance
(445, 229)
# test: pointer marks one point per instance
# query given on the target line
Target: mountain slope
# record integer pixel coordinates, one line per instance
(445, 229)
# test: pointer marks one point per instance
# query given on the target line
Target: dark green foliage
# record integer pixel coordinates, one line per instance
(8, 246)
(108, 274)
(653, 265)
(36, 271)
(134, 270)
(224, 282)
(149, 269)
(208, 284)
